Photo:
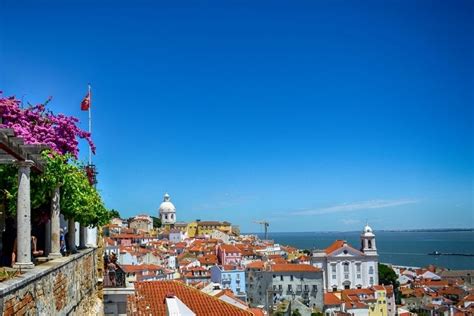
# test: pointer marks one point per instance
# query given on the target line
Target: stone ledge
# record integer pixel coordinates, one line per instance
(31, 275)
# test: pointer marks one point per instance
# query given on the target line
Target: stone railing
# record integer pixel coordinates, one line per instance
(63, 286)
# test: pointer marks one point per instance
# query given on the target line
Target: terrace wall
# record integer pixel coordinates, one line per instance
(64, 286)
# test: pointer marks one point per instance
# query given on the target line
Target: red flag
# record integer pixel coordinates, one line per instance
(86, 103)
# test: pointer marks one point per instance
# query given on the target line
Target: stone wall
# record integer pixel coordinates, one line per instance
(64, 286)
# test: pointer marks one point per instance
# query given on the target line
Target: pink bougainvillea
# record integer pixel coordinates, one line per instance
(37, 125)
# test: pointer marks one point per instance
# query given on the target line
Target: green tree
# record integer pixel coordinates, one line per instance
(156, 222)
(296, 312)
(387, 276)
(114, 213)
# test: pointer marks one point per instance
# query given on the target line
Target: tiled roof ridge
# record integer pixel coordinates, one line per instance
(202, 293)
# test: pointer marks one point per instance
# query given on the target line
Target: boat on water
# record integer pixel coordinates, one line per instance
(437, 253)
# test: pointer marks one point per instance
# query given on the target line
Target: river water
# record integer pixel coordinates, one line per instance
(400, 248)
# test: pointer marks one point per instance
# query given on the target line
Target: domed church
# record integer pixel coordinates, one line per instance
(167, 211)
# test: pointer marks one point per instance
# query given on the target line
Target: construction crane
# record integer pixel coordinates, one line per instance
(265, 227)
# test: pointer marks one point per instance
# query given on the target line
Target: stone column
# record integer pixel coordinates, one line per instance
(55, 225)
(92, 237)
(71, 239)
(82, 237)
(47, 238)
(23, 214)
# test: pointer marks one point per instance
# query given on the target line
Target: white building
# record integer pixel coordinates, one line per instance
(142, 223)
(167, 211)
(346, 267)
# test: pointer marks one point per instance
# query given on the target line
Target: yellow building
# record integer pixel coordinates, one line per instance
(200, 228)
(379, 307)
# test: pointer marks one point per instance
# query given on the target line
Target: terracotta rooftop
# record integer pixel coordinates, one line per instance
(334, 246)
(291, 267)
(331, 299)
(230, 267)
(230, 248)
(208, 260)
(129, 268)
(152, 296)
(255, 265)
(339, 244)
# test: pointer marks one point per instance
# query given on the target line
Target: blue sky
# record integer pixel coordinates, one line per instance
(314, 115)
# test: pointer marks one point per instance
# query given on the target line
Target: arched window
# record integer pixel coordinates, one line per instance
(370, 244)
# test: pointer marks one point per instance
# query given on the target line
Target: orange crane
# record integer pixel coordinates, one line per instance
(265, 227)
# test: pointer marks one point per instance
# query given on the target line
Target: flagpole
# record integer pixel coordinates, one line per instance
(90, 122)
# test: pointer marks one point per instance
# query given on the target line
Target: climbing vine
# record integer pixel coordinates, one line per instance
(36, 125)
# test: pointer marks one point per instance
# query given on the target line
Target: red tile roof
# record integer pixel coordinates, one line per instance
(149, 299)
(339, 244)
(255, 265)
(230, 267)
(129, 268)
(335, 245)
(230, 248)
(208, 260)
(291, 267)
(257, 311)
(331, 299)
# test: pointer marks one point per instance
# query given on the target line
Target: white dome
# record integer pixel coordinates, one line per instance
(367, 229)
(367, 232)
(166, 206)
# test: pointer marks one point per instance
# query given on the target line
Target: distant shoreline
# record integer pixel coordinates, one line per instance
(420, 230)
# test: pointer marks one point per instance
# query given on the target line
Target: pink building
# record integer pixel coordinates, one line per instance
(229, 254)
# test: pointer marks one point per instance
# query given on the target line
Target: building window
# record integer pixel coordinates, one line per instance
(274, 287)
(280, 287)
(371, 270)
(281, 277)
(371, 280)
(299, 287)
(358, 275)
(358, 267)
(333, 268)
(291, 278)
(315, 288)
(346, 267)
(333, 276)
(306, 287)
(289, 287)
(302, 278)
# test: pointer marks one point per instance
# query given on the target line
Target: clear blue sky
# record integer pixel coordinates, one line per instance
(314, 115)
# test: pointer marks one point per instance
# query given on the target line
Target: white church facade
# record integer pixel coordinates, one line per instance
(345, 267)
